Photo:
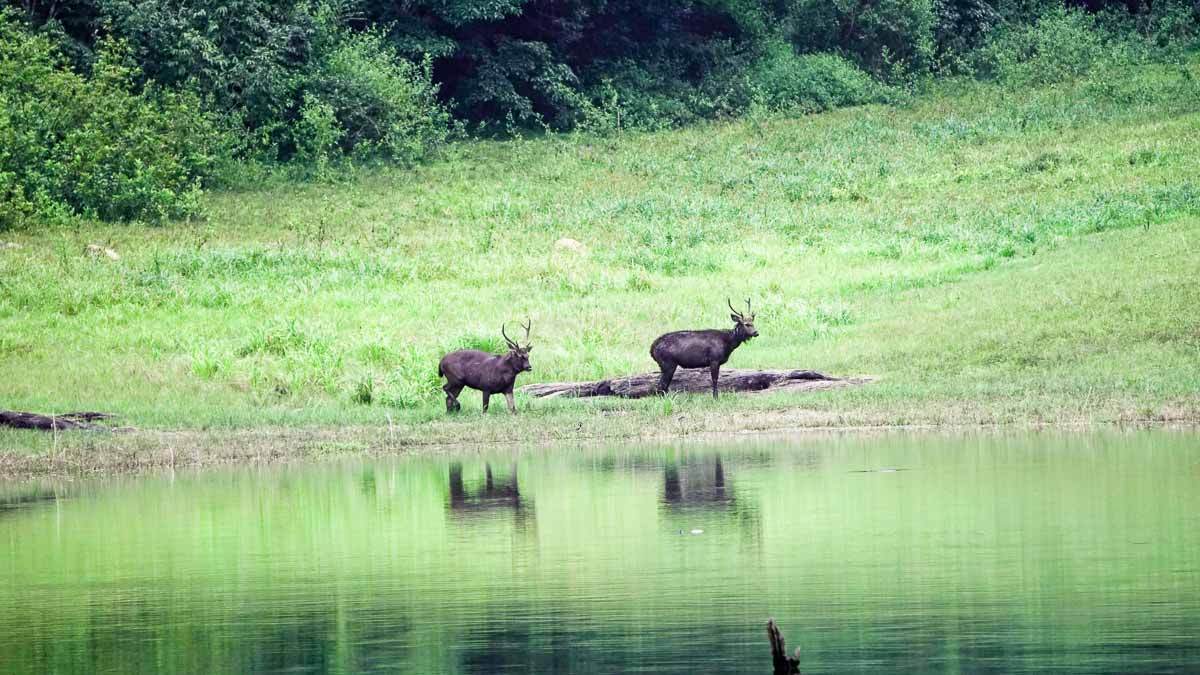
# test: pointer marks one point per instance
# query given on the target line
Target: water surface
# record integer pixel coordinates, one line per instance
(885, 553)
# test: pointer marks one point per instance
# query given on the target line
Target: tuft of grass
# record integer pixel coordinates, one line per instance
(282, 338)
(364, 391)
(206, 364)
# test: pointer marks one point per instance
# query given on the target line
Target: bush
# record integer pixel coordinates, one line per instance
(783, 80)
(962, 26)
(637, 97)
(316, 134)
(887, 37)
(242, 54)
(517, 82)
(96, 147)
(1174, 25)
(300, 82)
(666, 91)
(1060, 45)
(365, 99)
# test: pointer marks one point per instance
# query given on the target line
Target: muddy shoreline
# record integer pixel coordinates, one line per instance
(78, 455)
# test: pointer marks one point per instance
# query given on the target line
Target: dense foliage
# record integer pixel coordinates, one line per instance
(91, 86)
(95, 144)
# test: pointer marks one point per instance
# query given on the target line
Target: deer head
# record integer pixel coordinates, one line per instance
(743, 323)
(517, 355)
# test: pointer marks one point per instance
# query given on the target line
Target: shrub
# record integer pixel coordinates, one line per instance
(639, 97)
(1174, 25)
(300, 82)
(243, 54)
(884, 36)
(316, 133)
(775, 77)
(518, 81)
(961, 27)
(96, 147)
(368, 101)
(782, 79)
(1060, 45)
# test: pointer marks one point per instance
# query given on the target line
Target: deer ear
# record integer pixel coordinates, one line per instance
(736, 318)
(528, 348)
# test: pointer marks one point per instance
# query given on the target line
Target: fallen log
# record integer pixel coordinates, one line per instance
(738, 380)
(783, 664)
(74, 420)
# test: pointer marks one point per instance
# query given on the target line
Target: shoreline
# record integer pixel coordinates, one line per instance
(92, 454)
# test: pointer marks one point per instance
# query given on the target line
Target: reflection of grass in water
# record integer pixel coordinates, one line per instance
(994, 255)
(346, 563)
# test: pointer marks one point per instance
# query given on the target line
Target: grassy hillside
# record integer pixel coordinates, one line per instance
(991, 255)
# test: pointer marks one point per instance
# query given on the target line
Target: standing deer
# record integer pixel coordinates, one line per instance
(489, 373)
(701, 348)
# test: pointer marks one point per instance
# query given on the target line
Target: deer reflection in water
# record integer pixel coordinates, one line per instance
(699, 484)
(698, 496)
(496, 494)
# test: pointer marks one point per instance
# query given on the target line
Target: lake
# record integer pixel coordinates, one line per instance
(889, 552)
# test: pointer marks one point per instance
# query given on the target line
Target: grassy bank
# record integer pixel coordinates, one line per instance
(991, 255)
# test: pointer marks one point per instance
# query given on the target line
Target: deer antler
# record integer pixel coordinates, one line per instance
(506, 338)
(730, 303)
(527, 325)
(748, 311)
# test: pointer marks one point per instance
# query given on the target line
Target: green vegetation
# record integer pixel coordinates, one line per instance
(992, 254)
(122, 110)
(95, 146)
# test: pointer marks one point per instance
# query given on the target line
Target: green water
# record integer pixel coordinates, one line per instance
(981, 553)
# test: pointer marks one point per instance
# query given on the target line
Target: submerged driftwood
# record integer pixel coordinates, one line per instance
(75, 420)
(783, 664)
(699, 381)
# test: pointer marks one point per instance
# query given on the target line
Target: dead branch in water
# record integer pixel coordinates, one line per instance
(783, 664)
(66, 421)
(738, 380)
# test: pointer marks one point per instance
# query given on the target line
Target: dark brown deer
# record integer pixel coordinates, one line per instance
(489, 373)
(701, 348)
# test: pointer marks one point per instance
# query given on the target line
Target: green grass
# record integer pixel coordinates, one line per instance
(992, 255)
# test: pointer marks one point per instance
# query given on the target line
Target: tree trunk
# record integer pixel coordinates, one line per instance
(738, 380)
(28, 420)
(782, 663)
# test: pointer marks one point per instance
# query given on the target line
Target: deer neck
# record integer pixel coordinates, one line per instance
(736, 337)
(508, 365)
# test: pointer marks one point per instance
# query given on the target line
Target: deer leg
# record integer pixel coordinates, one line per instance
(716, 372)
(452, 392)
(664, 381)
(512, 407)
(486, 396)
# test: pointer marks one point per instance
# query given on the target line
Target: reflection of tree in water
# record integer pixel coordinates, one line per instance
(496, 495)
(295, 643)
(142, 634)
(327, 634)
(564, 641)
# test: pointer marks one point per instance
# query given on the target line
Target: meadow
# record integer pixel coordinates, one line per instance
(991, 254)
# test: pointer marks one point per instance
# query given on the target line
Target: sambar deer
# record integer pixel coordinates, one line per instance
(701, 348)
(489, 373)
